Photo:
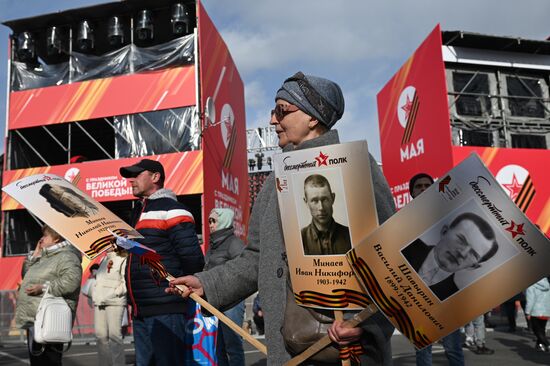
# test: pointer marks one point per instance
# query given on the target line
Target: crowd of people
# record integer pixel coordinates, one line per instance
(306, 109)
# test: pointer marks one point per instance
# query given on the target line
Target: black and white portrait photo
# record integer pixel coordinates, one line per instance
(458, 250)
(67, 201)
(323, 215)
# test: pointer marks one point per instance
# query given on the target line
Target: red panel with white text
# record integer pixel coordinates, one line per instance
(102, 181)
(414, 119)
(224, 136)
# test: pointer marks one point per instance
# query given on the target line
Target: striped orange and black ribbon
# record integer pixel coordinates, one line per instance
(411, 120)
(526, 194)
(340, 298)
(154, 263)
(230, 147)
(76, 179)
(100, 244)
(352, 351)
(391, 307)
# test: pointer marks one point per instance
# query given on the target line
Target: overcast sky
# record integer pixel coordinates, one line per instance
(358, 43)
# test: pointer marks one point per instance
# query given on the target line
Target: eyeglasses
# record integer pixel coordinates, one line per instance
(281, 111)
(313, 97)
(212, 221)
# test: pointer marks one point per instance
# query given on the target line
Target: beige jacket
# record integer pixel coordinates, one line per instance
(60, 267)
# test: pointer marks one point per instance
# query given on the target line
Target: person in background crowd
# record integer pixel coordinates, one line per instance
(475, 336)
(88, 286)
(419, 183)
(258, 315)
(53, 266)
(306, 109)
(538, 310)
(167, 226)
(224, 246)
(509, 308)
(109, 295)
(452, 342)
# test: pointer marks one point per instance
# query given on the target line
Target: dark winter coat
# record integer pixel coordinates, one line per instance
(169, 229)
(224, 245)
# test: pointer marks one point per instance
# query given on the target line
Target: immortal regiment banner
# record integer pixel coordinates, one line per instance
(327, 206)
(453, 253)
(81, 220)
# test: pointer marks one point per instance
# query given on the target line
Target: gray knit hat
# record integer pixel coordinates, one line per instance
(315, 96)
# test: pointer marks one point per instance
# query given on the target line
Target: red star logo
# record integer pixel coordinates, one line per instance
(444, 182)
(321, 159)
(513, 188)
(278, 184)
(518, 229)
(407, 108)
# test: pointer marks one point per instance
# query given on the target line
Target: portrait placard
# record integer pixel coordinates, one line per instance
(456, 251)
(77, 217)
(327, 205)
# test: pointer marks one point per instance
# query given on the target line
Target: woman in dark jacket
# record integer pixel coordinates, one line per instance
(224, 246)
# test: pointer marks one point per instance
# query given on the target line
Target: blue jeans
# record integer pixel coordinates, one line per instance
(229, 347)
(475, 331)
(161, 340)
(453, 350)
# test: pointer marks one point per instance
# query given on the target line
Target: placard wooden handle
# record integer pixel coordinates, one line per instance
(339, 315)
(253, 341)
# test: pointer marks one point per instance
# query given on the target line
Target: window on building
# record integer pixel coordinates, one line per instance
(476, 138)
(473, 98)
(525, 96)
(141, 134)
(529, 141)
(38, 146)
(21, 232)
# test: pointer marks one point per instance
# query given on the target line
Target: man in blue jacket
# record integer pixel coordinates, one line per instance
(169, 228)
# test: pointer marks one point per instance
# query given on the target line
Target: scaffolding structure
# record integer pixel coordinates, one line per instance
(498, 90)
(96, 88)
(262, 144)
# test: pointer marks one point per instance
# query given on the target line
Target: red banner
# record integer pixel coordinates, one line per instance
(224, 137)
(102, 180)
(414, 119)
(128, 94)
(10, 276)
(10, 272)
(523, 176)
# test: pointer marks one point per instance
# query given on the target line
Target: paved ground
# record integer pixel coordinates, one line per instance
(511, 349)
(82, 354)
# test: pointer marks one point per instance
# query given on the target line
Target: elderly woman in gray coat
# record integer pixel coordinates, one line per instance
(306, 109)
(55, 265)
